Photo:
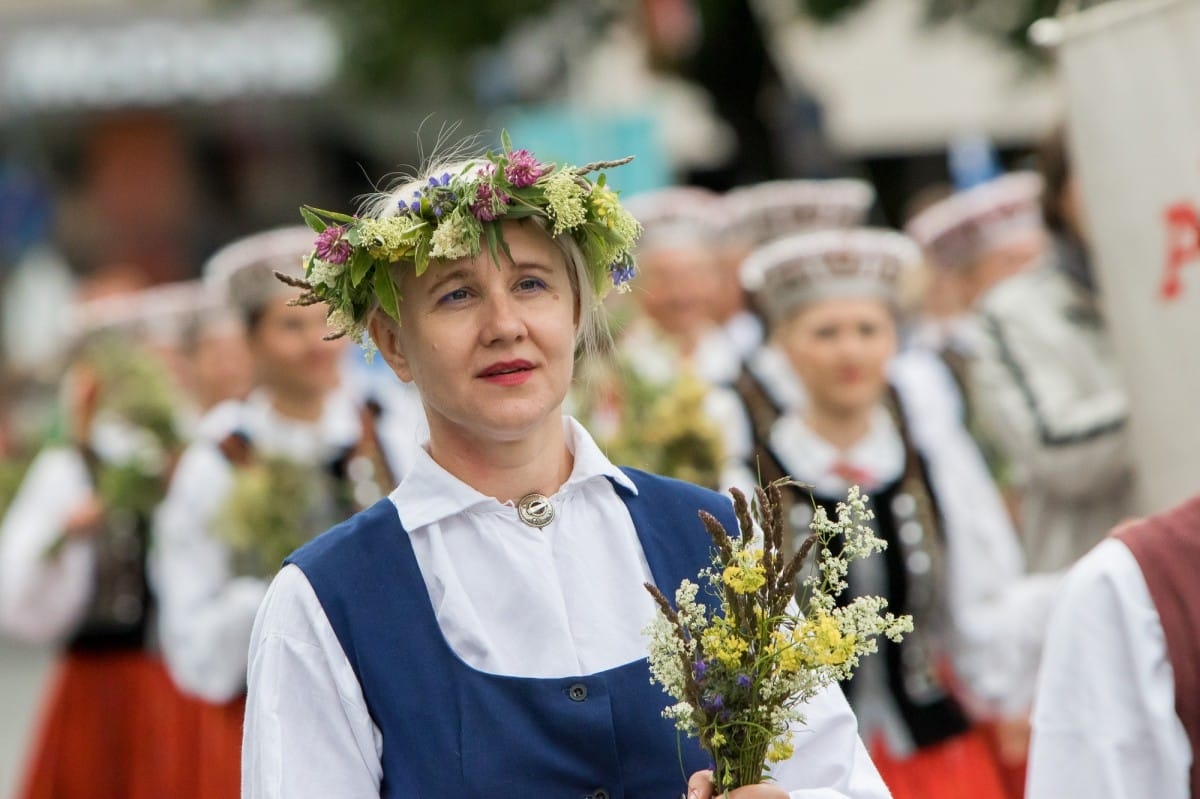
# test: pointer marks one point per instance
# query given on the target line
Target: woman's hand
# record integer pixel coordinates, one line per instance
(86, 520)
(700, 786)
(1012, 740)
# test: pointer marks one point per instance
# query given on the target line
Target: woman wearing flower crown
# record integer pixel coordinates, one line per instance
(478, 631)
(263, 475)
(953, 560)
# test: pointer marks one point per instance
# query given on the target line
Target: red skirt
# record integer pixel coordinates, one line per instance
(218, 748)
(963, 767)
(113, 726)
(1010, 741)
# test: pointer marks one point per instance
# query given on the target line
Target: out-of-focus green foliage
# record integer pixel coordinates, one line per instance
(12, 472)
(386, 40)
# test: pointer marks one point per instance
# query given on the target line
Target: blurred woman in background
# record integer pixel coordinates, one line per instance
(263, 474)
(953, 560)
(73, 545)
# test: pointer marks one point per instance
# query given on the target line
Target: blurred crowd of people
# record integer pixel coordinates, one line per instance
(957, 370)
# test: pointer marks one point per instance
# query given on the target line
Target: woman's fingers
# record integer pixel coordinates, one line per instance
(700, 786)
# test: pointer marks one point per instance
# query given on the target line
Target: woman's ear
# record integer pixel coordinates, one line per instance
(385, 332)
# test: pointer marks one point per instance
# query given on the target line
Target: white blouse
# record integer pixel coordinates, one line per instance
(44, 594)
(1104, 723)
(205, 611)
(571, 603)
(44, 597)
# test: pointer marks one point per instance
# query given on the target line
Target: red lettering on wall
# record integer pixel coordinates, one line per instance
(1183, 245)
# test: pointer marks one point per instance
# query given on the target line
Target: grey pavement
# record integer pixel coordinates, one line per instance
(23, 670)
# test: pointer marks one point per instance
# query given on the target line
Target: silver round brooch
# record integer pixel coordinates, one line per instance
(535, 510)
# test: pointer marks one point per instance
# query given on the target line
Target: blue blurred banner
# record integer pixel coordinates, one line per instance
(573, 136)
(25, 211)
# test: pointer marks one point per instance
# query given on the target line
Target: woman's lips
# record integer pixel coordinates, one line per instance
(507, 373)
(851, 375)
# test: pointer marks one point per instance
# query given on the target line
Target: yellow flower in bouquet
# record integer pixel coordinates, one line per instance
(775, 636)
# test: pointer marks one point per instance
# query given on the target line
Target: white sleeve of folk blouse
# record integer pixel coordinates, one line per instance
(998, 612)
(307, 731)
(1104, 722)
(44, 596)
(205, 612)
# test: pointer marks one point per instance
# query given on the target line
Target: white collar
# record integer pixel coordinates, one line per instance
(811, 459)
(339, 425)
(428, 493)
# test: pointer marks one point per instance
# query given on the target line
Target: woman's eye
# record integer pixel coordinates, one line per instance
(868, 330)
(458, 295)
(531, 284)
(826, 333)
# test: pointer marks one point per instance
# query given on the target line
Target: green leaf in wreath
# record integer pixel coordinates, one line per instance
(385, 289)
(360, 263)
(312, 220)
(344, 219)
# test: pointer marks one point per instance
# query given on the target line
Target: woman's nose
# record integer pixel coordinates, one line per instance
(502, 319)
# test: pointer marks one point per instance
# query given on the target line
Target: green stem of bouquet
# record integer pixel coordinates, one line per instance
(742, 759)
(748, 764)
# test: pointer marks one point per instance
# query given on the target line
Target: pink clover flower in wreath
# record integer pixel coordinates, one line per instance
(331, 247)
(490, 203)
(523, 169)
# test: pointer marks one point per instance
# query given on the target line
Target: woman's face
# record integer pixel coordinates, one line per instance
(1001, 263)
(289, 353)
(840, 348)
(678, 289)
(491, 348)
(219, 367)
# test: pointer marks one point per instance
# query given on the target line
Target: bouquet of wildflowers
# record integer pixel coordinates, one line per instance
(272, 509)
(663, 428)
(130, 391)
(739, 674)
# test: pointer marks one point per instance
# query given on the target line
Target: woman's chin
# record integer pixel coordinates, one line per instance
(508, 422)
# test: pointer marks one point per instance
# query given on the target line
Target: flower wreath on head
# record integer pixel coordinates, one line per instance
(451, 217)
